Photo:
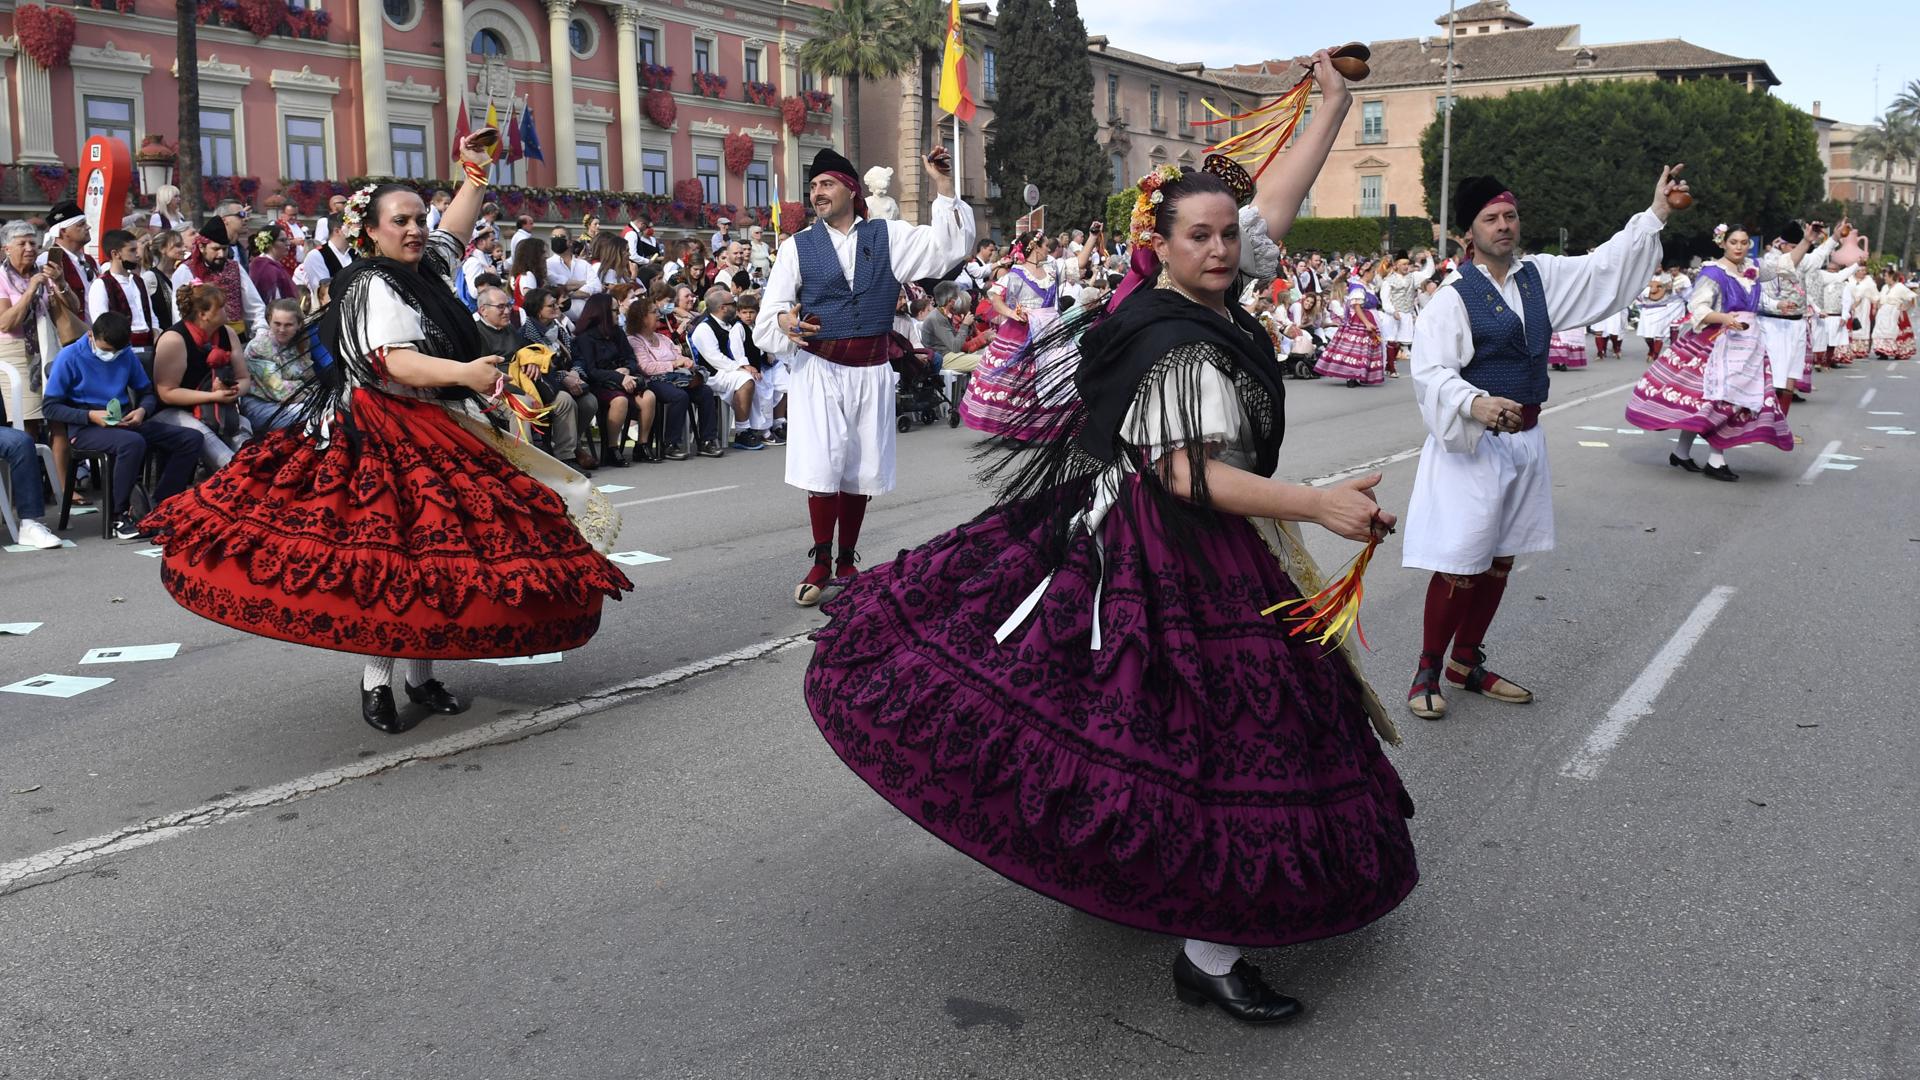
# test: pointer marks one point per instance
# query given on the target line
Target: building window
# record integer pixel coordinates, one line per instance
(1113, 95)
(217, 146)
(702, 54)
(581, 37)
(409, 149)
(1441, 103)
(706, 167)
(1120, 178)
(1306, 205)
(1181, 104)
(307, 149)
(648, 40)
(989, 62)
(757, 193)
(1370, 196)
(588, 159)
(1373, 121)
(1153, 105)
(489, 43)
(750, 66)
(403, 14)
(112, 117)
(653, 172)
(807, 82)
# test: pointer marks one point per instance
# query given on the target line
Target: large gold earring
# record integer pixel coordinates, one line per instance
(1164, 281)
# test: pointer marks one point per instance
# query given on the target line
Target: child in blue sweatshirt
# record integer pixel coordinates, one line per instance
(97, 387)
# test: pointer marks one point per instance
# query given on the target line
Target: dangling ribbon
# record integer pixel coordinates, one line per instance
(1335, 610)
(1274, 123)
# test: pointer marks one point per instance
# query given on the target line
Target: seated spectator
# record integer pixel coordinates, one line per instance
(278, 365)
(97, 388)
(566, 426)
(199, 375)
(681, 319)
(541, 324)
(528, 270)
(944, 333)
(674, 382)
(718, 343)
(118, 288)
(21, 458)
(272, 279)
(770, 396)
(602, 357)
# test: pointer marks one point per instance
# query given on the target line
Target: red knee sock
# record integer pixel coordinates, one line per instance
(853, 512)
(1484, 601)
(1653, 348)
(1785, 400)
(1447, 604)
(822, 511)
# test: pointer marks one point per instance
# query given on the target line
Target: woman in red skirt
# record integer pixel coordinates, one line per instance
(396, 521)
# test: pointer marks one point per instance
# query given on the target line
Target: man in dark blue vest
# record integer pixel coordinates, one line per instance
(828, 311)
(1483, 493)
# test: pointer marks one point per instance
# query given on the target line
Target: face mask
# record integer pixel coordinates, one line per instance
(105, 356)
(560, 247)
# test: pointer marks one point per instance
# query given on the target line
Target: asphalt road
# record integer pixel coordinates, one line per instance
(644, 862)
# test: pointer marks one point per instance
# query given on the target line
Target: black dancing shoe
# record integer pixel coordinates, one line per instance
(1679, 462)
(1720, 472)
(435, 697)
(376, 708)
(1240, 993)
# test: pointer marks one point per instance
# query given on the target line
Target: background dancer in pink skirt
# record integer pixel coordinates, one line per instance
(1357, 352)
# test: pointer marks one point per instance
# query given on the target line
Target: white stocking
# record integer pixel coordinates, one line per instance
(1717, 460)
(1211, 958)
(379, 673)
(1686, 443)
(418, 672)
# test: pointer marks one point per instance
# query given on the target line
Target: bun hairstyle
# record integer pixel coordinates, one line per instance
(194, 300)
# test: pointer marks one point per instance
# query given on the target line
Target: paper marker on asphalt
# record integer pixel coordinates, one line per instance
(1640, 697)
(613, 489)
(1592, 427)
(1837, 467)
(60, 686)
(21, 629)
(131, 654)
(1628, 431)
(1583, 442)
(150, 553)
(1819, 465)
(522, 661)
(637, 558)
(18, 548)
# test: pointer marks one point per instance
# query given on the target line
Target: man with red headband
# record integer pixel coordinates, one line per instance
(828, 310)
(1483, 493)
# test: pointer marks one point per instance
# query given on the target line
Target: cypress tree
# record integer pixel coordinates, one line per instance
(1080, 176)
(1025, 106)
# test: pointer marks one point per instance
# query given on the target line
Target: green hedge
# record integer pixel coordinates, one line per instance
(1363, 234)
(1120, 212)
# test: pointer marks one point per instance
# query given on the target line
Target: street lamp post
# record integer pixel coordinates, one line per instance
(1446, 136)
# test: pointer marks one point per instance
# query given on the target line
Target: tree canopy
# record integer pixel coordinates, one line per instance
(1043, 118)
(1584, 157)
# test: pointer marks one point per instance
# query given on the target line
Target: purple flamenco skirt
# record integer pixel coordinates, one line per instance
(1004, 394)
(1201, 774)
(1354, 353)
(1568, 349)
(1669, 397)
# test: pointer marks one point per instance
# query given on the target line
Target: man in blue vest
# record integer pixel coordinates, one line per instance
(1483, 493)
(828, 311)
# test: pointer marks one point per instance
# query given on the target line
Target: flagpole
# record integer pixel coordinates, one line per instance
(959, 149)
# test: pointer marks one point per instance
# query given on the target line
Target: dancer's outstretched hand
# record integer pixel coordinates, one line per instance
(1350, 510)
(1669, 184)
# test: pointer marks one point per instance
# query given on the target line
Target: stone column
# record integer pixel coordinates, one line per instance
(562, 153)
(626, 19)
(373, 88)
(36, 113)
(453, 40)
(793, 187)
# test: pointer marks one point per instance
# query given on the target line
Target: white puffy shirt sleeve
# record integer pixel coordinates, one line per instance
(778, 298)
(390, 320)
(1259, 255)
(1584, 289)
(1153, 426)
(933, 249)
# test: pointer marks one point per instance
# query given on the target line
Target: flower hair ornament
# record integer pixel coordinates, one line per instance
(1146, 208)
(1720, 233)
(264, 240)
(353, 220)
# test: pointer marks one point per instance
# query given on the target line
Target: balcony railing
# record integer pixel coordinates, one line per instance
(1371, 138)
(1121, 117)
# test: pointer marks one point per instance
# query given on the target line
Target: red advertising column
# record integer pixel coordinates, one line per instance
(106, 175)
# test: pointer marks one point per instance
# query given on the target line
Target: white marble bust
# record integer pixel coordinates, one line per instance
(880, 205)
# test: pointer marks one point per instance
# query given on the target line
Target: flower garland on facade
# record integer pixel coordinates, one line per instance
(46, 34)
(661, 108)
(656, 77)
(708, 84)
(739, 152)
(818, 100)
(762, 93)
(793, 111)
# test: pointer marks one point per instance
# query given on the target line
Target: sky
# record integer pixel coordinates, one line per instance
(1839, 44)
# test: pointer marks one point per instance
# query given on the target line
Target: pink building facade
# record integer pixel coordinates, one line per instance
(676, 101)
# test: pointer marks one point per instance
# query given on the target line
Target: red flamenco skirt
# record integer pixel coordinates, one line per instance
(423, 542)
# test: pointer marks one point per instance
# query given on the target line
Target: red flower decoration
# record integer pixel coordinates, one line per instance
(739, 152)
(793, 215)
(263, 18)
(689, 191)
(661, 108)
(793, 110)
(46, 33)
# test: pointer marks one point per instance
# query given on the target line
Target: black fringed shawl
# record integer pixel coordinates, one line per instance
(1154, 343)
(340, 329)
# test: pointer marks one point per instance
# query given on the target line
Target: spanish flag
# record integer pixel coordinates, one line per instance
(493, 121)
(954, 95)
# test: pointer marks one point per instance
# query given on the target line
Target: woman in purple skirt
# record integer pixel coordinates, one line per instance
(1357, 353)
(1078, 689)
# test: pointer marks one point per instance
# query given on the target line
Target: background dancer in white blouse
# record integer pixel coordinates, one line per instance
(1483, 493)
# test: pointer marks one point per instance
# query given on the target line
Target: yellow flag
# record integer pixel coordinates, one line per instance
(955, 98)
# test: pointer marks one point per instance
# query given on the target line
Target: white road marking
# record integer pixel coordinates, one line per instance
(1867, 397)
(1885, 412)
(1639, 699)
(1819, 464)
(506, 729)
(676, 495)
(1378, 464)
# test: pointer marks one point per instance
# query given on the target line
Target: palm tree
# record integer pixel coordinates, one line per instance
(854, 43)
(1887, 142)
(186, 36)
(1907, 104)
